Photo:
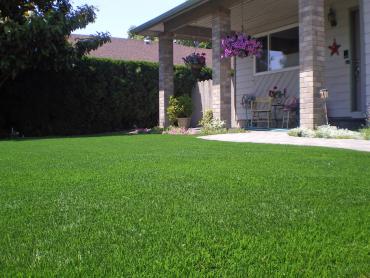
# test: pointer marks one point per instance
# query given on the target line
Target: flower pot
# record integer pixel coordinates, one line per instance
(184, 122)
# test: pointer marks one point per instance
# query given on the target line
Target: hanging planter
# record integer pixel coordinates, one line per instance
(196, 69)
(241, 45)
(196, 62)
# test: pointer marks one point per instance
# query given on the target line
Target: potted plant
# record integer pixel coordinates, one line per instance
(241, 45)
(278, 95)
(195, 62)
(180, 110)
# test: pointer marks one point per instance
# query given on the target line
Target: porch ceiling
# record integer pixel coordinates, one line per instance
(259, 15)
(193, 19)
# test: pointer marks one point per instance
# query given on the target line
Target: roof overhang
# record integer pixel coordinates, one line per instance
(182, 20)
(156, 25)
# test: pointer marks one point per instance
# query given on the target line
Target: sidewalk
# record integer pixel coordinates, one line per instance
(270, 137)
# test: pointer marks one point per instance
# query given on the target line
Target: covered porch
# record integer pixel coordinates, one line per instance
(345, 74)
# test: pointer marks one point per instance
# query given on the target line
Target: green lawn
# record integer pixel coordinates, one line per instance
(160, 205)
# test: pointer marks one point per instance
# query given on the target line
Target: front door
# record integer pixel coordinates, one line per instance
(355, 60)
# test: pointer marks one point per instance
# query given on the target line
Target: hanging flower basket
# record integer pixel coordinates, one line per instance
(241, 45)
(195, 62)
(196, 69)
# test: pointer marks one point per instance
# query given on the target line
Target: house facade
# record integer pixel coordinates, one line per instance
(309, 45)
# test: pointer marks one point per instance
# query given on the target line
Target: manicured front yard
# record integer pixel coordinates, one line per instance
(178, 206)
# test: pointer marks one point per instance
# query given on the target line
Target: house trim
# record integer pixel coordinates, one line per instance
(182, 8)
(272, 71)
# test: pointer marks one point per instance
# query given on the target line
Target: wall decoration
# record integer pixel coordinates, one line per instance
(332, 17)
(334, 48)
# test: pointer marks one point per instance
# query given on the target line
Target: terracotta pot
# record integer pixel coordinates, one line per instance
(184, 122)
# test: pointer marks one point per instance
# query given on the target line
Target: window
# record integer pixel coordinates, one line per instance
(262, 62)
(280, 51)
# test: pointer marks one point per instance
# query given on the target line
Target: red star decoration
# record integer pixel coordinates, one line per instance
(334, 48)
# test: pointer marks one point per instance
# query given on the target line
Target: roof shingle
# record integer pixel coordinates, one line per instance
(138, 50)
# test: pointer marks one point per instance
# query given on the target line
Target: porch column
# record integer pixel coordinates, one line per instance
(166, 83)
(221, 89)
(312, 61)
(365, 18)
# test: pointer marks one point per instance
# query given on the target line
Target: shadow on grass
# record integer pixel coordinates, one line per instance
(97, 135)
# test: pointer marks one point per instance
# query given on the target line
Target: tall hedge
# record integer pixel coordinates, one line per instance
(98, 95)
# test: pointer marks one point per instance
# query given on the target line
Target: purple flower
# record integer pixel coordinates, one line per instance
(241, 45)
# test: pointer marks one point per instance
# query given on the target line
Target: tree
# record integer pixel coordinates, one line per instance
(34, 35)
(191, 43)
(132, 35)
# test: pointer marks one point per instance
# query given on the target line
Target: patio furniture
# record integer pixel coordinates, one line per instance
(261, 110)
(246, 103)
(278, 99)
(276, 113)
(290, 108)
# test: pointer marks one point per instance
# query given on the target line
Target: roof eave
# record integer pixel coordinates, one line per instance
(188, 5)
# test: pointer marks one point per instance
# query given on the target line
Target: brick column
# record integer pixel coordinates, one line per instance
(221, 90)
(312, 61)
(166, 83)
(365, 26)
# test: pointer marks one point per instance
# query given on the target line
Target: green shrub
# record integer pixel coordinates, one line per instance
(210, 131)
(157, 130)
(98, 95)
(366, 133)
(211, 126)
(179, 107)
(207, 118)
(302, 132)
(185, 81)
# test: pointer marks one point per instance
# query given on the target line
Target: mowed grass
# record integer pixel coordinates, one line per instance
(160, 205)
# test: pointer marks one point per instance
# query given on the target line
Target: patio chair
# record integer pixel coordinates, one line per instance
(261, 110)
(290, 108)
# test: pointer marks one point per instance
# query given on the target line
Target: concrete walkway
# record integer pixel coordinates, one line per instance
(281, 137)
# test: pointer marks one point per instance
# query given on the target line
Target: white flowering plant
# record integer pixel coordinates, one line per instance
(211, 125)
(302, 132)
(326, 131)
(215, 124)
(366, 133)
